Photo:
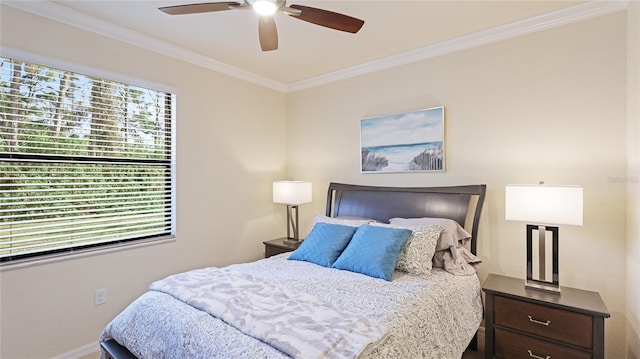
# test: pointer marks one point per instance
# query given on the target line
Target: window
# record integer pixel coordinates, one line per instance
(84, 162)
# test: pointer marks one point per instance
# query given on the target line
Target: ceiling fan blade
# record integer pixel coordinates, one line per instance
(198, 8)
(328, 19)
(268, 33)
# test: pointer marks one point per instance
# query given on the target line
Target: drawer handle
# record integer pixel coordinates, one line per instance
(546, 324)
(537, 357)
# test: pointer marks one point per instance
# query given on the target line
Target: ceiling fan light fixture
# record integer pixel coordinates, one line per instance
(264, 7)
(267, 31)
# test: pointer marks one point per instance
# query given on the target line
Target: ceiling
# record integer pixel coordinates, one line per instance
(394, 32)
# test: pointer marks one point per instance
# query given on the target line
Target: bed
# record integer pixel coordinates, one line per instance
(281, 308)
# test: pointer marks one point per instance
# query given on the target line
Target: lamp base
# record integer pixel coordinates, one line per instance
(540, 282)
(542, 286)
(292, 222)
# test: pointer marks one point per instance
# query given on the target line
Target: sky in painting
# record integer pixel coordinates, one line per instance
(407, 128)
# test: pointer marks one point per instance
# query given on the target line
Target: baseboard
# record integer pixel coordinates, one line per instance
(80, 352)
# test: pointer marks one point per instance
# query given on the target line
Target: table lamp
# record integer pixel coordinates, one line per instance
(292, 193)
(543, 206)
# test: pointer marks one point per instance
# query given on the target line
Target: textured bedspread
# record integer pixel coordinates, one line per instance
(433, 316)
(296, 323)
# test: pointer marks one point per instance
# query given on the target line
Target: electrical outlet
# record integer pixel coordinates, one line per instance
(100, 296)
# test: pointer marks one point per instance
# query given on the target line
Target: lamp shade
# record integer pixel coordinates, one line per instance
(292, 192)
(542, 204)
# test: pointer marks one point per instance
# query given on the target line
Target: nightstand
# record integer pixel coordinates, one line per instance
(277, 246)
(528, 323)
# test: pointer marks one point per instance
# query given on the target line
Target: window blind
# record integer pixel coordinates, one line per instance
(84, 161)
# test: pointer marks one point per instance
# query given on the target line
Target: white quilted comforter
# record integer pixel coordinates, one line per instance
(432, 316)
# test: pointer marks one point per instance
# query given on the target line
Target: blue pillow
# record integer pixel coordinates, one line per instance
(373, 251)
(324, 244)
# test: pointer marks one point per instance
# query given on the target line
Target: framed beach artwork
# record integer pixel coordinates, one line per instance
(406, 142)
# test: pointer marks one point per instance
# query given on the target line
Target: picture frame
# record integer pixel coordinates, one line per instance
(405, 142)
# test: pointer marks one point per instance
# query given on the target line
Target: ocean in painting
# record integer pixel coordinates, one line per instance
(427, 156)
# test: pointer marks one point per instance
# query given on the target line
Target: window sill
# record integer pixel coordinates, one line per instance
(81, 253)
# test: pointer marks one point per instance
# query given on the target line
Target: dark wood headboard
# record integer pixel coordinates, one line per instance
(383, 203)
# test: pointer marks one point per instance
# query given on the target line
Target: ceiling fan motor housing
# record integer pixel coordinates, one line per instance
(267, 31)
(266, 7)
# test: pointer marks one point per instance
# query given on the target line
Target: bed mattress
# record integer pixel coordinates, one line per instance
(430, 316)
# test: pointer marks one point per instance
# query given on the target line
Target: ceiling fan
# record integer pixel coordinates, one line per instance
(267, 31)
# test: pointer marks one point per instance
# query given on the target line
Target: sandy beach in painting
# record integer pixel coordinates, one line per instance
(411, 141)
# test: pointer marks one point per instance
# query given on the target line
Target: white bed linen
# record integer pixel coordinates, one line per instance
(294, 322)
(431, 316)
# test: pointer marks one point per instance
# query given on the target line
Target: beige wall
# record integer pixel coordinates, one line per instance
(633, 179)
(547, 106)
(231, 146)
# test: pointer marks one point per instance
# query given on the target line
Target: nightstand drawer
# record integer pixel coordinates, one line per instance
(548, 322)
(510, 345)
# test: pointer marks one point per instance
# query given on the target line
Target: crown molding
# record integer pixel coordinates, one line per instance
(65, 15)
(553, 19)
(583, 11)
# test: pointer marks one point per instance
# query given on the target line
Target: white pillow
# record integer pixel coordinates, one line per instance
(452, 235)
(345, 221)
(416, 255)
